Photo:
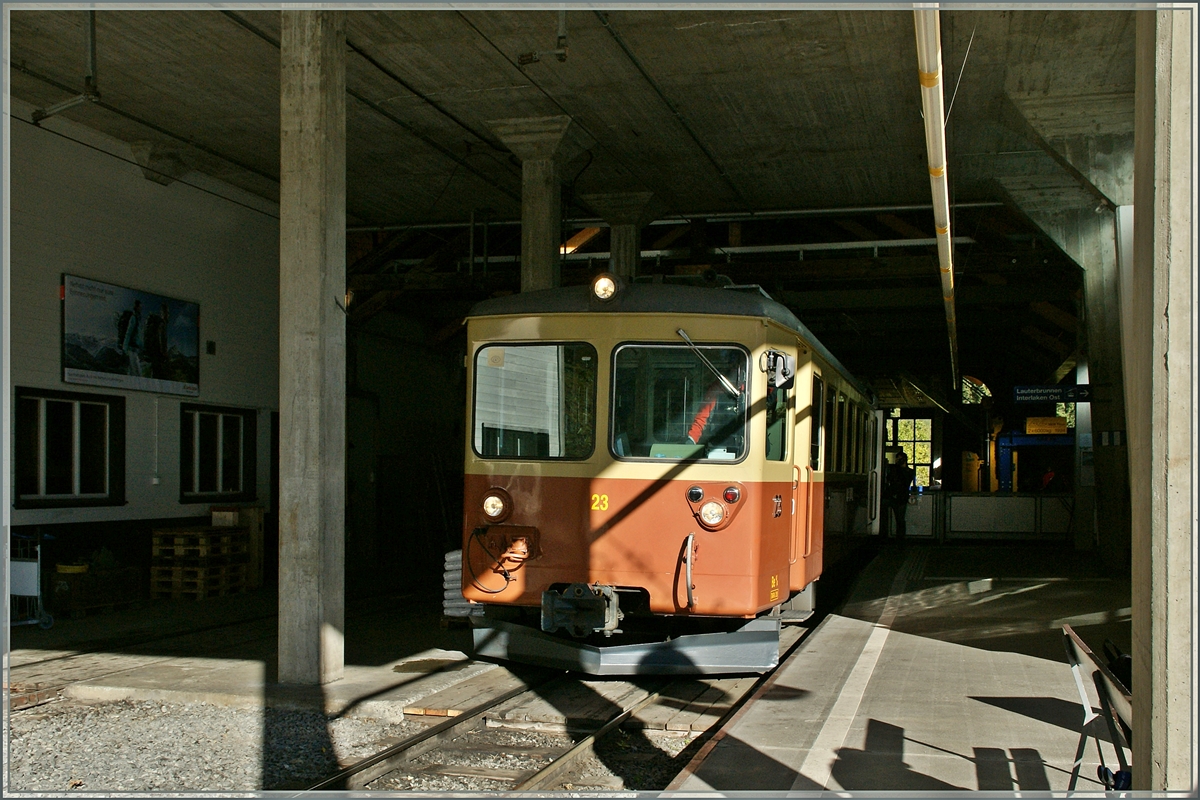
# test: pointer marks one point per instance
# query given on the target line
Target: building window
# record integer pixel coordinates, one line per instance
(69, 449)
(217, 458)
(974, 390)
(915, 438)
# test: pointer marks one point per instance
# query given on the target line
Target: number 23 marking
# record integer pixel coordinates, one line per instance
(599, 502)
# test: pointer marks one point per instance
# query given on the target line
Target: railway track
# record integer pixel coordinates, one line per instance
(552, 731)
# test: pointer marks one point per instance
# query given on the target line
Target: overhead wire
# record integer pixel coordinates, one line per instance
(378, 109)
(575, 120)
(633, 59)
(961, 69)
(145, 168)
(191, 142)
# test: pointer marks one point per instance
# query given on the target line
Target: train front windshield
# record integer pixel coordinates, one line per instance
(670, 402)
(535, 401)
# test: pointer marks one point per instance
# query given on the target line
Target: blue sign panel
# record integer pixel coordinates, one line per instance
(1052, 394)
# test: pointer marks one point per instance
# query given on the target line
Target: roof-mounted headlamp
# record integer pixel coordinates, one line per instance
(605, 287)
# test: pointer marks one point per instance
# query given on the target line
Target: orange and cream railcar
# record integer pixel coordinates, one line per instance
(648, 451)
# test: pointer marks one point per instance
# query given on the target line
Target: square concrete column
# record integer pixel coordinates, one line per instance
(312, 346)
(626, 213)
(1160, 405)
(543, 144)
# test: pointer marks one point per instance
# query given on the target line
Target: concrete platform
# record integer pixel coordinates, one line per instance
(930, 681)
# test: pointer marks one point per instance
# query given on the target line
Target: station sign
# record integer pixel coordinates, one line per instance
(1054, 426)
(1052, 394)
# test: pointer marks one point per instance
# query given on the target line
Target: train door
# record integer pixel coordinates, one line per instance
(776, 448)
(807, 475)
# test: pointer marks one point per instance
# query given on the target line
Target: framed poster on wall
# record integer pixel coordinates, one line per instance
(127, 339)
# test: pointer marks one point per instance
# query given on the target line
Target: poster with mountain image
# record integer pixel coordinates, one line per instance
(128, 339)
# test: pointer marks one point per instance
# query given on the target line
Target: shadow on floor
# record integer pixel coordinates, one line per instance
(880, 766)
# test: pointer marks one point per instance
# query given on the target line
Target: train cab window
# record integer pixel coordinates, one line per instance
(670, 402)
(777, 427)
(535, 401)
(818, 431)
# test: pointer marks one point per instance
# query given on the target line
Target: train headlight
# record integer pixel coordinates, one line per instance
(497, 505)
(695, 494)
(712, 513)
(604, 287)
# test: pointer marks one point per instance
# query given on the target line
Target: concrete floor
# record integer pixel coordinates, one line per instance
(943, 670)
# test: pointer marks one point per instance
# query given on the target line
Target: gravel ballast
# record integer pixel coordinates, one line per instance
(130, 746)
(134, 746)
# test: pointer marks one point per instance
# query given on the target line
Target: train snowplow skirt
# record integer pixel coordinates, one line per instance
(752, 648)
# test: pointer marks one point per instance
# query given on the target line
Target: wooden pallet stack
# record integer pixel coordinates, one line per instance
(198, 563)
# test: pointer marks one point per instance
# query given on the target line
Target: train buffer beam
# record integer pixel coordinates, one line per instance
(753, 647)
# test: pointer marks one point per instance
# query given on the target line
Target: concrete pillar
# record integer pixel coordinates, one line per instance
(1161, 406)
(1097, 253)
(1088, 235)
(1097, 163)
(312, 346)
(626, 213)
(543, 144)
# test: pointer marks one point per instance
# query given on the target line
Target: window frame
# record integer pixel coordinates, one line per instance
(892, 440)
(539, 343)
(249, 460)
(114, 452)
(785, 426)
(816, 427)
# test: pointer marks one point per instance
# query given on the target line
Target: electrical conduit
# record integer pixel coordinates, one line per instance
(929, 62)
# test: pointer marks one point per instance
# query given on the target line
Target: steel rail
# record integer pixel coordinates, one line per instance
(709, 739)
(371, 768)
(357, 776)
(545, 777)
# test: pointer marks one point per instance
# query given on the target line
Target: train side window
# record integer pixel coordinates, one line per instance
(851, 435)
(868, 438)
(841, 428)
(859, 436)
(777, 428)
(862, 439)
(535, 401)
(817, 428)
(827, 434)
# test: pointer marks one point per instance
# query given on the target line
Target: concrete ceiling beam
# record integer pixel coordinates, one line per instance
(544, 145)
(626, 213)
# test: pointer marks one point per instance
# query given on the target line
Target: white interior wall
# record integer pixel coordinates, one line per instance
(78, 203)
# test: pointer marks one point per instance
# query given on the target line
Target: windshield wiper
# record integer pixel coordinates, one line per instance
(729, 387)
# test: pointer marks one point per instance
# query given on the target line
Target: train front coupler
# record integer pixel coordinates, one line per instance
(582, 609)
